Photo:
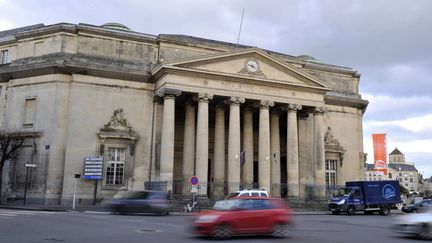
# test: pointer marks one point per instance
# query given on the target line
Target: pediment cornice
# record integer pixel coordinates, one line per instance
(188, 67)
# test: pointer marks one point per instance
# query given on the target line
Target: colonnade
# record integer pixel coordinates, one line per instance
(196, 142)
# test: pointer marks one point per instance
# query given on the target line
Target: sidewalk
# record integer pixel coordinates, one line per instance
(102, 208)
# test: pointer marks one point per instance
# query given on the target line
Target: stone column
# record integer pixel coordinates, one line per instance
(234, 144)
(202, 139)
(167, 141)
(188, 145)
(248, 147)
(319, 152)
(275, 154)
(219, 151)
(264, 145)
(292, 151)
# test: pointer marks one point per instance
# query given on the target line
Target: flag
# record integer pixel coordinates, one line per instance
(380, 153)
(242, 157)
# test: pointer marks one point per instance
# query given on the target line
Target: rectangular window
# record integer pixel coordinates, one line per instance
(29, 112)
(411, 180)
(115, 166)
(330, 172)
(4, 57)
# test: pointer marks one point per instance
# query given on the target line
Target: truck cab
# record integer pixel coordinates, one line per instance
(346, 199)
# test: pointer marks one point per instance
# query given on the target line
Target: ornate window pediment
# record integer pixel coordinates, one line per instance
(332, 145)
(118, 127)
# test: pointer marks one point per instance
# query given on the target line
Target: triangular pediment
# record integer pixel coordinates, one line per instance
(251, 63)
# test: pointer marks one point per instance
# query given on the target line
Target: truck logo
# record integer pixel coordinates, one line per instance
(388, 192)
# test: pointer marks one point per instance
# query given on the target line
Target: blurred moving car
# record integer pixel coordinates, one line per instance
(248, 193)
(245, 215)
(141, 202)
(418, 207)
(415, 225)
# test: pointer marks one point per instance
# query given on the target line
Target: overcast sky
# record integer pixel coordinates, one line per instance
(388, 42)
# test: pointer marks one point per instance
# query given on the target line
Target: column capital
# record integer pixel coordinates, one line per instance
(220, 106)
(189, 104)
(292, 107)
(249, 109)
(265, 104)
(168, 93)
(203, 97)
(319, 110)
(235, 100)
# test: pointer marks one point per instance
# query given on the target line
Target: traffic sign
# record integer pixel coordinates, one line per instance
(93, 168)
(194, 180)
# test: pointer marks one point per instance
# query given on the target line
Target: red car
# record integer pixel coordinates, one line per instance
(245, 215)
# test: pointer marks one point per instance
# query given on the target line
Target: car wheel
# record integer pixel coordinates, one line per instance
(222, 232)
(384, 211)
(351, 210)
(281, 230)
(424, 232)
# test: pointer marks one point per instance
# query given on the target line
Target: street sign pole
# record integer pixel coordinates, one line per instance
(95, 192)
(28, 166)
(73, 202)
(76, 176)
(25, 186)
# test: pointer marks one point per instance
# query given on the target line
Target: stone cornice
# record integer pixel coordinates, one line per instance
(77, 28)
(74, 64)
(346, 101)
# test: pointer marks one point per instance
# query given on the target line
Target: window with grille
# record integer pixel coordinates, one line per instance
(330, 172)
(115, 166)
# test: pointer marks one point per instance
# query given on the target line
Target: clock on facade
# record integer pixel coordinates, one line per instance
(252, 66)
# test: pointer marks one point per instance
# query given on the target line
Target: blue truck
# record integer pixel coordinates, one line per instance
(366, 196)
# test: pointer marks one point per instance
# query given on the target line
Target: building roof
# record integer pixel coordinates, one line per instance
(403, 167)
(394, 166)
(396, 151)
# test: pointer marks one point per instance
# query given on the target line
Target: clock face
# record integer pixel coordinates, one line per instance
(252, 66)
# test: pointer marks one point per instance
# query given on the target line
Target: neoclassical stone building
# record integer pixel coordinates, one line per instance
(162, 108)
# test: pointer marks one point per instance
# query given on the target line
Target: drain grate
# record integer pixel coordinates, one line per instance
(148, 231)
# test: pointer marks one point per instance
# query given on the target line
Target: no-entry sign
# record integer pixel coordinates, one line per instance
(194, 180)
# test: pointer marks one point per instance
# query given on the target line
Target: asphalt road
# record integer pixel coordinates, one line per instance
(20, 226)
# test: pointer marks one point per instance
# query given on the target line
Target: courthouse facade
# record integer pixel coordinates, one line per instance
(162, 108)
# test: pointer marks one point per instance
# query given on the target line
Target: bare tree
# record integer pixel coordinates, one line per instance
(10, 143)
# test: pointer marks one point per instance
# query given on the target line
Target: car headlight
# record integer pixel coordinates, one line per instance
(206, 219)
(341, 202)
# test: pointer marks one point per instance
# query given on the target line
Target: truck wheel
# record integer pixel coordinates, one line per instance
(351, 210)
(384, 211)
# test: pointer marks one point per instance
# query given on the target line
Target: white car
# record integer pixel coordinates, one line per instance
(248, 193)
(417, 225)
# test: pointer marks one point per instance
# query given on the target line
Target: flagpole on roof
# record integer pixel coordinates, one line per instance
(241, 24)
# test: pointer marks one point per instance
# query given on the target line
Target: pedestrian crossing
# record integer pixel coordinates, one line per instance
(10, 213)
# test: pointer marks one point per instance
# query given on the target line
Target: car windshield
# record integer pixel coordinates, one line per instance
(226, 205)
(341, 192)
(146, 195)
(232, 195)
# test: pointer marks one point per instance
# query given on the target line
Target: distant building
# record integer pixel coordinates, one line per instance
(397, 169)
